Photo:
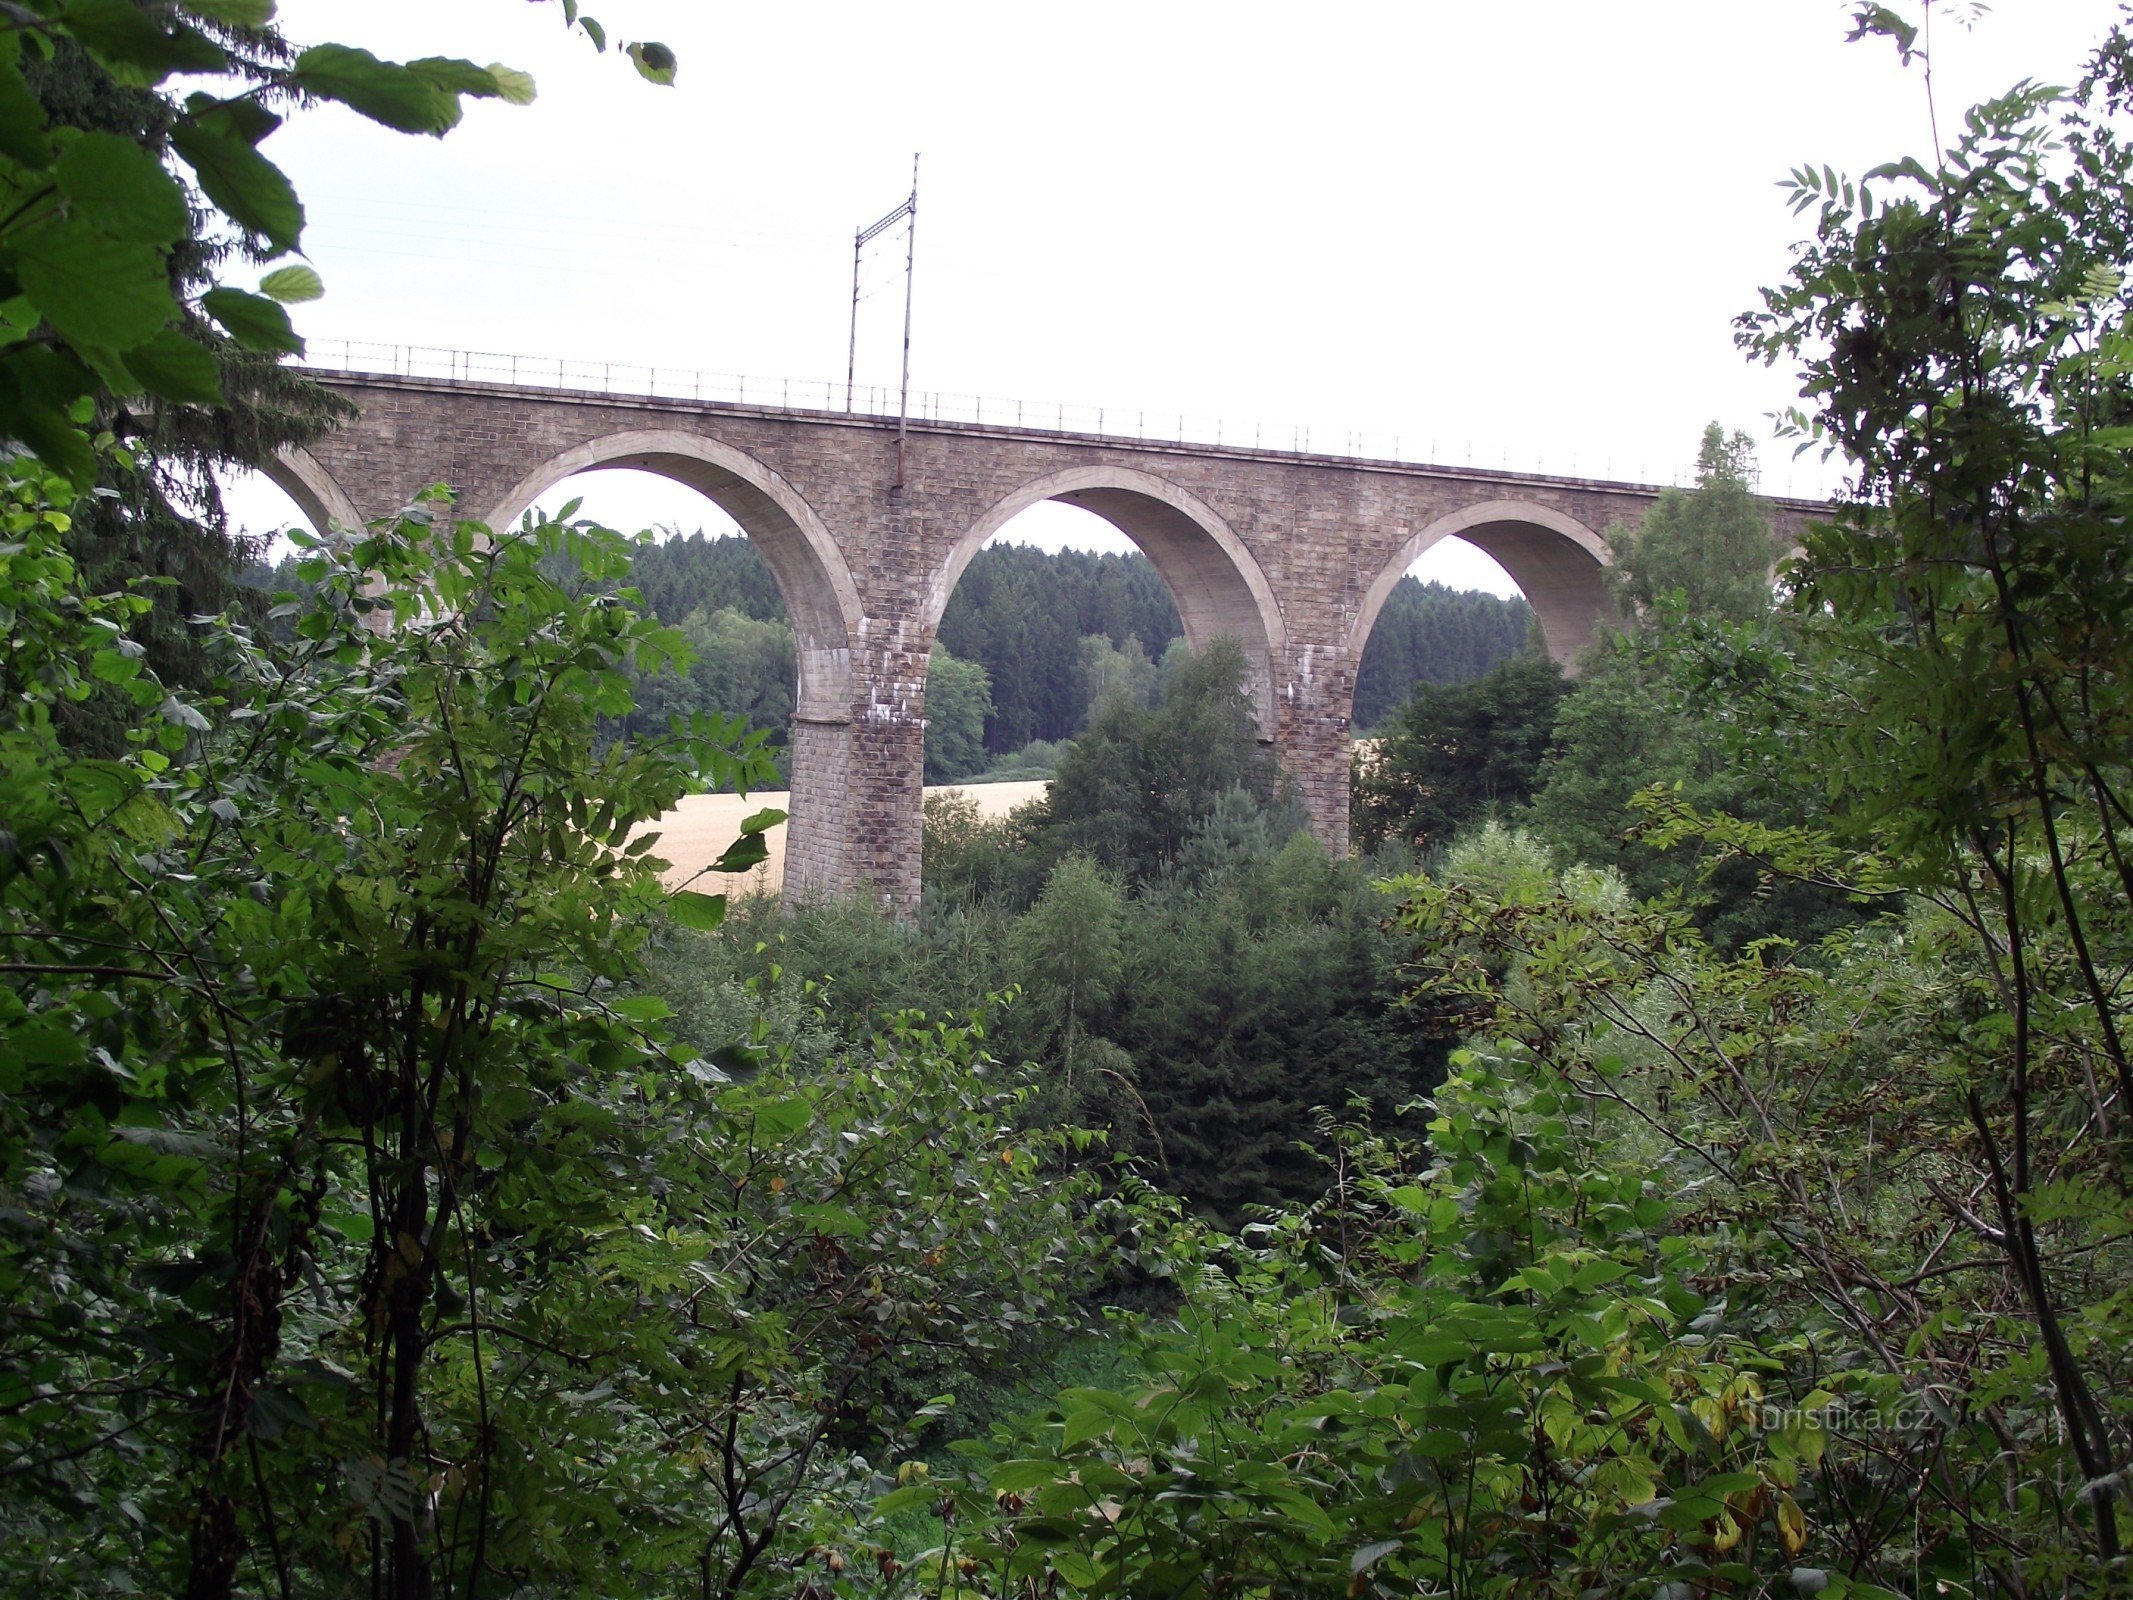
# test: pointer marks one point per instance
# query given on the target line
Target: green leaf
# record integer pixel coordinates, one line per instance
(41, 422)
(92, 289)
(122, 189)
(250, 189)
(1082, 1426)
(909, 1498)
(837, 1221)
(176, 368)
(761, 821)
(398, 96)
(1076, 1570)
(253, 321)
(125, 39)
(1014, 1477)
(702, 912)
(513, 87)
(655, 62)
(643, 1008)
(237, 13)
(21, 119)
(292, 284)
(781, 1119)
(749, 850)
(456, 76)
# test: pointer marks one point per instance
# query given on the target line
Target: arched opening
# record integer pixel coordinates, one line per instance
(287, 491)
(1552, 562)
(1452, 616)
(1056, 609)
(711, 495)
(324, 503)
(1213, 584)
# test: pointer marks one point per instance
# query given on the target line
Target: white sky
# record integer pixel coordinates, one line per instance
(1521, 232)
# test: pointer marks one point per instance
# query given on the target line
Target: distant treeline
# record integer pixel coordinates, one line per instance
(1053, 630)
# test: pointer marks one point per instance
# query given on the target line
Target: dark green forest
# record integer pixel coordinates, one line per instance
(1680, 1151)
(1053, 631)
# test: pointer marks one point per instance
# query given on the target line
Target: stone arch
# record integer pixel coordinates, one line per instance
(1212, 577)
(812, 577)
(821, 602)
(299, 475)
(1556, 561)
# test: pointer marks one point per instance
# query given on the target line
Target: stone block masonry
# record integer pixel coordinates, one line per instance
(1293, 554)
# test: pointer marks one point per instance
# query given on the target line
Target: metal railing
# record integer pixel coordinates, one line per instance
(817, 395)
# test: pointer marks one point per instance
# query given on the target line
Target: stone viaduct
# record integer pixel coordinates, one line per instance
(1293, 554)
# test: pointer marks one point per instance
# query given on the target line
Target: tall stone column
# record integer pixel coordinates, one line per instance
(885, 793)
(818, 857)
(1312, 734)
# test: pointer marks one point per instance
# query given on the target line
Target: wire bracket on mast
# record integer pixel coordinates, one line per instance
(861, 238)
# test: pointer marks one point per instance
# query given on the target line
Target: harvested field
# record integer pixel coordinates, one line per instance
(696, 832)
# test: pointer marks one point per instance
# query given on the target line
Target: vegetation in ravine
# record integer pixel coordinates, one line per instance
(1697, 1166)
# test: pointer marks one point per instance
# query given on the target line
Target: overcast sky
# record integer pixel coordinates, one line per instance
(1518, 231)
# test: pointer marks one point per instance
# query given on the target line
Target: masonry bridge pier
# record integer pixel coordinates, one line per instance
(1292, 553)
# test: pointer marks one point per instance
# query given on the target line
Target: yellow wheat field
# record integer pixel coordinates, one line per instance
(696, 832)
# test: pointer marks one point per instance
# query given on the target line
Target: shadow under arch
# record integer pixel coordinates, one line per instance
(1557, 562)
(1213, 579)
(821, 602)
(324, 503)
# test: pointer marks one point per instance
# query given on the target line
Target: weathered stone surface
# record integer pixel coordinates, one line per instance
(1293, 554)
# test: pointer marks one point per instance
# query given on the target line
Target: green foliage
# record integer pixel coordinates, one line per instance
(1026, 616)
(1108, 669)
(1481, 1371)
(351, 1182)
(958, 699)
(1135, 786)
(968, 859)
(1710, 549)
(1036, 761)
(1428, 634)
(740, 664)
(1056, 632)
(1960, 330)
(1454, 756)
(683, 573)
(286, 991)
(1198, 1020)
(1825, 1112)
